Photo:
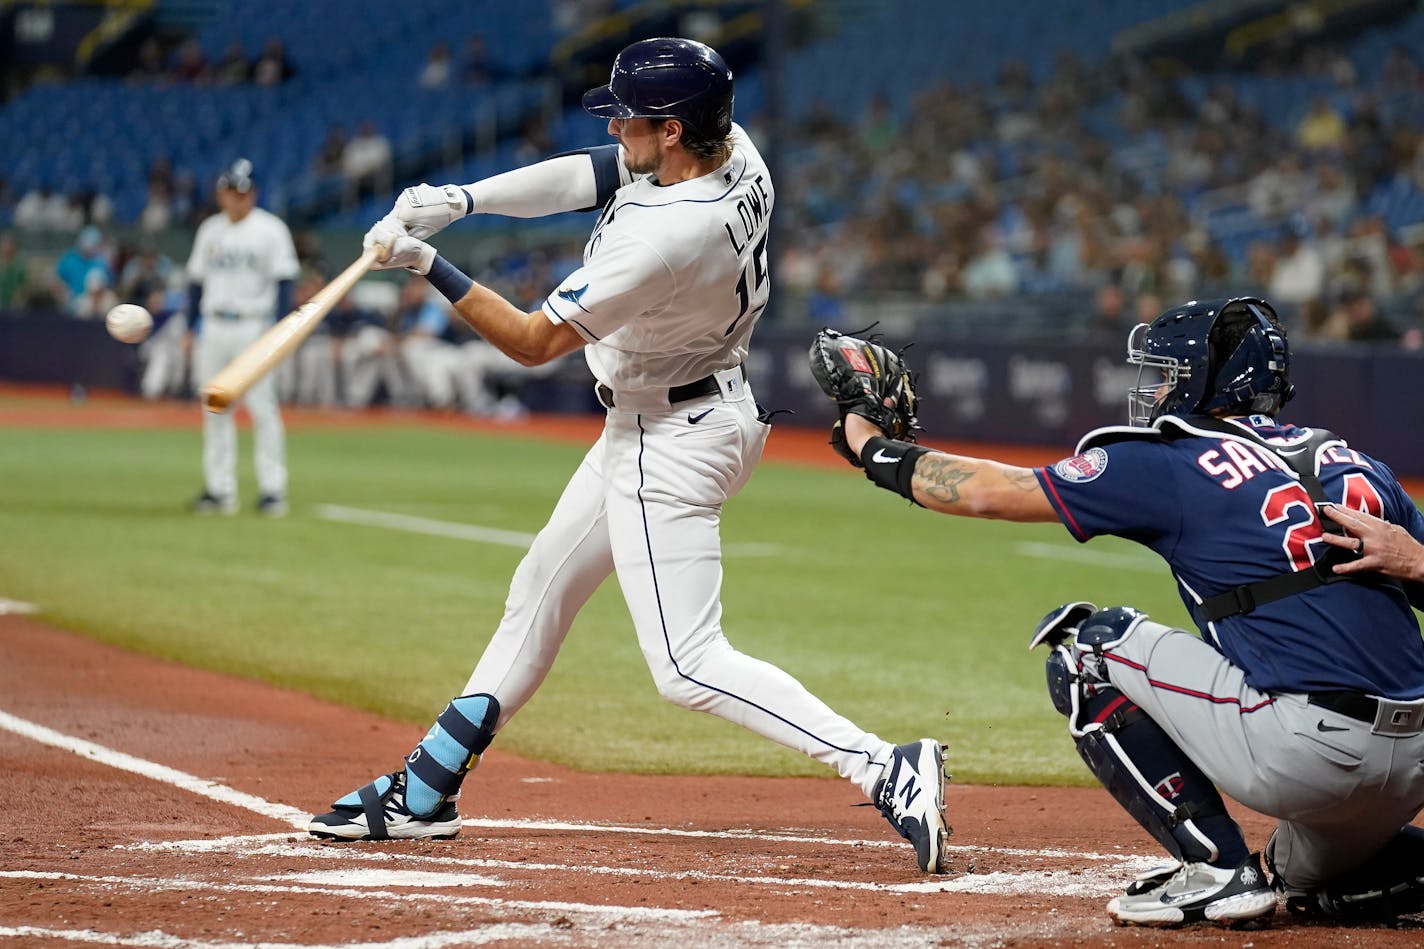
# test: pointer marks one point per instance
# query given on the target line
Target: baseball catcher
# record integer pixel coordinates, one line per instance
(866, 379)
(1301, 692)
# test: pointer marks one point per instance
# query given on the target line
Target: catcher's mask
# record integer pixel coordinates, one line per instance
(1205, 356)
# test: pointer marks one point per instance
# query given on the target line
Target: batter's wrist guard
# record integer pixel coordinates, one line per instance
(450, 280)
(891, 465)
(438, 765)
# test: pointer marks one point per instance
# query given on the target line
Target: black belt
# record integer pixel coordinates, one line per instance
(707, 385)
(1356, 705)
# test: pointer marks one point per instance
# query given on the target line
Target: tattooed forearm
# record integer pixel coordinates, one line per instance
(939, 476)
(1022, 478)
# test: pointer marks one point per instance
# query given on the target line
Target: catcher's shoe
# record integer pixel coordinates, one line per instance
(1198, 892)
(377, 811)
(911, 796)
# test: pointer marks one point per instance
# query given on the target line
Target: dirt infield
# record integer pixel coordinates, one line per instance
(152, 805)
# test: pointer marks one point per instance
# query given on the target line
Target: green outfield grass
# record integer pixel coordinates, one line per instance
(909, 623)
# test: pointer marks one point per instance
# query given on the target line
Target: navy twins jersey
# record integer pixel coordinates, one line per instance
(1225, 512)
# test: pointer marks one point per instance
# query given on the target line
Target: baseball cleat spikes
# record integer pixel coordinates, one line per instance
(377, 811)
(1198, 893)
(911, 796)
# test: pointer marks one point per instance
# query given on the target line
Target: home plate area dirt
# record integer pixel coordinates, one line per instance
(152, 805)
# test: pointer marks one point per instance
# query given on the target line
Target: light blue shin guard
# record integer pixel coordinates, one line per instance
(437, 766)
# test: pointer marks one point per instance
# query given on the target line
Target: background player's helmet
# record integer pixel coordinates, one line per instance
(238, 176)
(1211, 354)
(668, 78)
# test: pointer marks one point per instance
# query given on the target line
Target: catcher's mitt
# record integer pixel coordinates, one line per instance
(866, 379)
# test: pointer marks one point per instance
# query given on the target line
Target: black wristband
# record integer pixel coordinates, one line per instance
(448, 279)
(891, 465)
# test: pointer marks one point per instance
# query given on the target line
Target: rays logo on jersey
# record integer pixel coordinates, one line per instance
(1084, 467)
(572, 295)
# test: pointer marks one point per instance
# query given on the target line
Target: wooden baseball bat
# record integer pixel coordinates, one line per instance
(282, 338)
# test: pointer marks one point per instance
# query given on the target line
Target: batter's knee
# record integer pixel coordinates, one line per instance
(684, 691)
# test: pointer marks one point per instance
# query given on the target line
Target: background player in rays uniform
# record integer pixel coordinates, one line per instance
(673, 280)
(241, 274)
(1303, 698)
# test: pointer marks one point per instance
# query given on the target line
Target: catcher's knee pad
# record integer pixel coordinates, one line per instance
(437, 766)
(1163, 790)
(1078, 635)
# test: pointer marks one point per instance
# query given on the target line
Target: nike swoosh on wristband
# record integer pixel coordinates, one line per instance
(883, 458)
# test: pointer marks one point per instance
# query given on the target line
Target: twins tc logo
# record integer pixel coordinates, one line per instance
(1085, 467)
(1171, 786)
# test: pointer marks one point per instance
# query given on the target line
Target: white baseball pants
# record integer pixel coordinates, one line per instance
(217, 343)
(646, 503)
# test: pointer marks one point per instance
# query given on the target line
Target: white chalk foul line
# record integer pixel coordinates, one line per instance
(224, 844)
(17, 607)
(591, 911)
(157, 772)
(476, 533)
(517, 933)
(424, 525)
(1060, 882)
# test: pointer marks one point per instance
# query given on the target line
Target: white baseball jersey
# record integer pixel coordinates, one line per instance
(239, 263)
(673, 279)
(673, 276)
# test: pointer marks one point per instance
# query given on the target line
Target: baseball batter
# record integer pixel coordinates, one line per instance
(1303, 697)
(673, 280)
(241, 273)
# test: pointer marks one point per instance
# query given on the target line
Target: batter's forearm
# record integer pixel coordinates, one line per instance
(503, 325)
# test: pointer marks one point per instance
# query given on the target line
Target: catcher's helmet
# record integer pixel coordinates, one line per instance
(238, 176)
(668, 78)
(1213, 354)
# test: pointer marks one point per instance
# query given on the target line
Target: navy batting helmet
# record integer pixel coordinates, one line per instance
(238, 176)
(668, 78)
(1213, 354)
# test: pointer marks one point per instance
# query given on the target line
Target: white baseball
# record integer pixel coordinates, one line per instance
(129, 323)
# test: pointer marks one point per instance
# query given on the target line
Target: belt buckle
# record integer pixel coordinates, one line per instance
(1398, 718)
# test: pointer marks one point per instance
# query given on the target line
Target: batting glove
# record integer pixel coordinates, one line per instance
(426, 210)
(401, 250)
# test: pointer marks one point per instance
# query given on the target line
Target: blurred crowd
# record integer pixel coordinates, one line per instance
(1012, 190)
(1111, 187)
(187, 63)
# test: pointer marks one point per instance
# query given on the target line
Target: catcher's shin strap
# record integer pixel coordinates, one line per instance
(1248, 596)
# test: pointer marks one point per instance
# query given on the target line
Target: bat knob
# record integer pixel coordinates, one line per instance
(216, 400)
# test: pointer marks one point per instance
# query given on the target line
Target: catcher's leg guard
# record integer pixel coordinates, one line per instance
(1389, 885)
(1141, 767)
(438, 765)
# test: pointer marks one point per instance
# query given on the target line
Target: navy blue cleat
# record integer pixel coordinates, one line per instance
(911, 796)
